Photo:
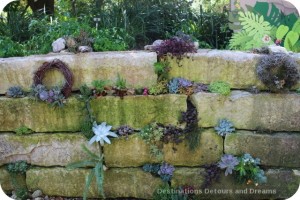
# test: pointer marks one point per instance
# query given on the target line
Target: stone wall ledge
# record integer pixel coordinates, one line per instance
(135, 66)
(135, 111)
(276, 150)
(235, 67)
(263, 111)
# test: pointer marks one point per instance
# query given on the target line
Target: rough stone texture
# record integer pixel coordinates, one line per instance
(210, 150)
(134, 152)
(206, 66)
(279, 112)
(281, 183)
(135, 111)
(127, 182)
(280, 149)
(58, 149)
(58, 45)
(4, 180)
(135, 66)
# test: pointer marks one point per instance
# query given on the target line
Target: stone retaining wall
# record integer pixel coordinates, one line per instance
(267, 126)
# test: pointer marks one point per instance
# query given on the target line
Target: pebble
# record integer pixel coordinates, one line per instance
(36, 194)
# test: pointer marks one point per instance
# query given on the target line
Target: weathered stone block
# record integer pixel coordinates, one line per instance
(279, 112)
(134, 66)
(135, 152)
(5, 180)
(210, 150)
(206, 66)
(126, 182)
(135, 111)
(280, 149)
(281, 183)
(58, 149)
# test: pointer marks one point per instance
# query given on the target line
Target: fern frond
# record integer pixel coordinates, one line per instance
(239, 39)
(254, 24)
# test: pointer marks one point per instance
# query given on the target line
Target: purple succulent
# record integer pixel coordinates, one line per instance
(43, 95)
(184, 82)
(228, 162)
(166, 169)
(51, 93)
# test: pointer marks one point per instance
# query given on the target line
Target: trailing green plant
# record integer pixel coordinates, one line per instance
(220, 87)
(17, 171)
(164, 170)
(279, 72)
(158, 88)
(152, 135)
(224, 127)
(162, 69)
(96, 163)
(23, 130)
(15, 92)
(87, 123)
(254, 34)
(245, 168)
(172, 135)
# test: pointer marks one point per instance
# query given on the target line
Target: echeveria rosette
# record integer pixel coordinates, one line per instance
(166, 172)
(228, 162)
(247, 158)
(224, 127)
(101, 132)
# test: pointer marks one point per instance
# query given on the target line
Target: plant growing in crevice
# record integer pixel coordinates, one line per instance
(17, 172)
(279, 72)
(181, 85)
(99, 87)
(15, 92)
(162, 69)
(152, 135)
(23, 130)
(164, 170)
(224, 127)
(212, 174)
(220, 87)
(125, 131)
(244, 168)
(172, 135)
(191, 130)
(158, 88)
(120, 89)
(53, 96)
(200, 87)
(87, 123)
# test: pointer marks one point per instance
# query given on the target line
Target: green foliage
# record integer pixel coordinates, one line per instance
(9, 48)
(193, 139)
(113, 39)
(220, 87)
(99, 85)
(162, 69)
(19, 167)
(291, 38)
(23, 130)
(254, 34)
(152, 135)
(281, 31)
(96, 162)
(273, 15)
(120, 83)
(298, 90)
(159, 88)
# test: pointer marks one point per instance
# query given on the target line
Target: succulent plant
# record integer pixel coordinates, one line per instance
(200, 87)
(125, 130)
(159, 88)
(166, 172)
(15, 92)
(18, 167)
(184, 82)
(224, 127)
(213, 173)
(228, 162)
(151, 168)
(173, 86)
(172, 134)
(220, 87)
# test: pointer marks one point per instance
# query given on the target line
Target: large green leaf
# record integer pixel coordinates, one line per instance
(296, 27)
(281, 31)
(290, 40)
(274, 16)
